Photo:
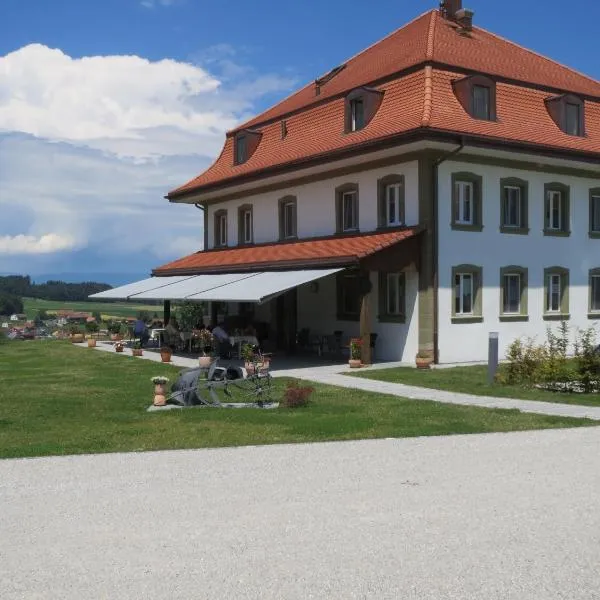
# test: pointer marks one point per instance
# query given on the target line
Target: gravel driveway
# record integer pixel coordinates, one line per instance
(500, 516)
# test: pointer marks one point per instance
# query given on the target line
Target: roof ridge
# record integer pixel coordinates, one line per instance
(428, 95)
(431, 36)
(539, 55)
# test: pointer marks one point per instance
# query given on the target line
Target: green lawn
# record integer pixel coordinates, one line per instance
(58, 399)
(473, 380)
(116, 309)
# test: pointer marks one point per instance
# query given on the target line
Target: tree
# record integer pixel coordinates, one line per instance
(10, 304)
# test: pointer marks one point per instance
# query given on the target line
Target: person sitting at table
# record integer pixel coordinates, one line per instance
(171, 335)
(140, 330)
(223, 341)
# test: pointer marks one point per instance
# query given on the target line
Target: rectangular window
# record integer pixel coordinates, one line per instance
(221, 230)
(463, 293)
(573, 120)
(357, 114)
(595, 214)
(511, 294)
(348, 297)
(393, 194)
(247, 226)
(511, 209)
(289, 220)
(464, 203)
(481, 102)
(240, 149)
(553, 293)
(554, 210)
(595, 292)
(395, 294)
(349, 212)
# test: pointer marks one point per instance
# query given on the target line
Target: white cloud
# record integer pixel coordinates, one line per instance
(155, 3)
(28, 244)
(89, 146)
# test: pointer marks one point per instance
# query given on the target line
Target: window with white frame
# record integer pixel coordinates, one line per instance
(595, 213)
(573, 118)
(511, 294)
(246, 226)
(349, 211)
(554, 293)
(481, 102)
(357, 114)
(221, 228)
(511, 207)
(289, 219)
(393, 195)
(595, 293)
(463, 293)
(395, 294)
(554, 210)
(464, 205)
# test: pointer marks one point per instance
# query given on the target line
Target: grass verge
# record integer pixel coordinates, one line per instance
(113, 309)
(473, 380)
(57, 399)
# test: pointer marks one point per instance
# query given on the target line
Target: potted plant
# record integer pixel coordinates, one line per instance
(160, 383)
(114, 328)
(119, 346)
(355, 353)
(166, 353)
(206, 341)
(77, 335)
(92, 327)
(423, 359)
(137, 349)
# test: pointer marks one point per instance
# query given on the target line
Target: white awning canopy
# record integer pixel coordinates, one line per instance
(229, 287)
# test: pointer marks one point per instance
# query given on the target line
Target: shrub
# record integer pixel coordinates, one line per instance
(587, 359)
(524, 361)
(92, 327)
(296, 396)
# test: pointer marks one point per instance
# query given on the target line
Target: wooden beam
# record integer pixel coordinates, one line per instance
(365, 329)
(166, 312)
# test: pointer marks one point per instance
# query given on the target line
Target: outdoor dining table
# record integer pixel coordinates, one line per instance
(240, 340)
(157, 334)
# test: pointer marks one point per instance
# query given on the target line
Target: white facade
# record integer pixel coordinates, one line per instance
(492, 250)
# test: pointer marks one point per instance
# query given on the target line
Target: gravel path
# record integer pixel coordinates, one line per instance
(500, 516)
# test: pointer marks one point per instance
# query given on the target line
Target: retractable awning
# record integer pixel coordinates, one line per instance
(255, 287)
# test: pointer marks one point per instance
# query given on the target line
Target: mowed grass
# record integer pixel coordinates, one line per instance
(115, 309)
(58, 399)
(473, 380)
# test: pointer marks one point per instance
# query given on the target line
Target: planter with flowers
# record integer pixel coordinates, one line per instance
(76, 334)
(137, 349)
(355, 353)
(160, 388)
(119, 346)
(254, 361)
(165, 354)
(423, 359)
(206, 340)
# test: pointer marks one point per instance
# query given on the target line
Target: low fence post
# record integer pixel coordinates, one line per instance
(492, 356)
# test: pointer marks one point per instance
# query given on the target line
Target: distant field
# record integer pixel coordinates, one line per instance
(115, 309)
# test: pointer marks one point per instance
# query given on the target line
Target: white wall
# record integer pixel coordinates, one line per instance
(316, 205)
(493, 250)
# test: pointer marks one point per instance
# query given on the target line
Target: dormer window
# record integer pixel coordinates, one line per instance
(477, 96)
(361, 106)
(245, 143)
(568, 112)
(357, 114)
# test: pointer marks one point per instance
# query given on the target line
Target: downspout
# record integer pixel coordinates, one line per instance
(203, 209)
(436, 164)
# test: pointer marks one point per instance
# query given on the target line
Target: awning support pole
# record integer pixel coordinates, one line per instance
(166, 312)
(365, 329)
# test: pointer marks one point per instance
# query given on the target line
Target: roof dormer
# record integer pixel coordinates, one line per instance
(245, 143)
(568, 112)
(360, 107)
(477, 95)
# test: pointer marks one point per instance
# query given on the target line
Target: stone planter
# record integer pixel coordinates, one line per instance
(77, 338)
(115, 337)
(119, 348)
(355, 363)
(159, 394)
(205, 361)
(165, 356)
(137, 352)
(423, 362)
(91, 343)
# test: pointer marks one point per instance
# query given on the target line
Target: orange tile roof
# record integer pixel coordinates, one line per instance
(317, 251)
(436, 53)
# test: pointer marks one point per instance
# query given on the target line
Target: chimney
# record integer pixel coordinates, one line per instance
(449, 8)
(464, 18)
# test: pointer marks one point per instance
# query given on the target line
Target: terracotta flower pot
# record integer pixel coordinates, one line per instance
(355, 363)
(159, 394)
(91, 343)
(115, 337)
(118, 348)
(137, 352)
(205, 361)
(165, 356)
(423, 363)
(77, 338)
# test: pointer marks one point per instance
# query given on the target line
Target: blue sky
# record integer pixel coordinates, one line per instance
(105, 106)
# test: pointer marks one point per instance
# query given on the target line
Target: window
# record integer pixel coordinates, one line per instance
(347, 208)
(594, 308)
(245, 226)
(390, 200)
(466, 202)
(556, 293)
(481, 102)
(513, 294)
(466, 282)
(221, 228)
(556, 218)
(357, 114)
(288, 218)
(241, 149)
(513, 206)
(392, 297)
(572, 118)
(348, 297)
(595, 213)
